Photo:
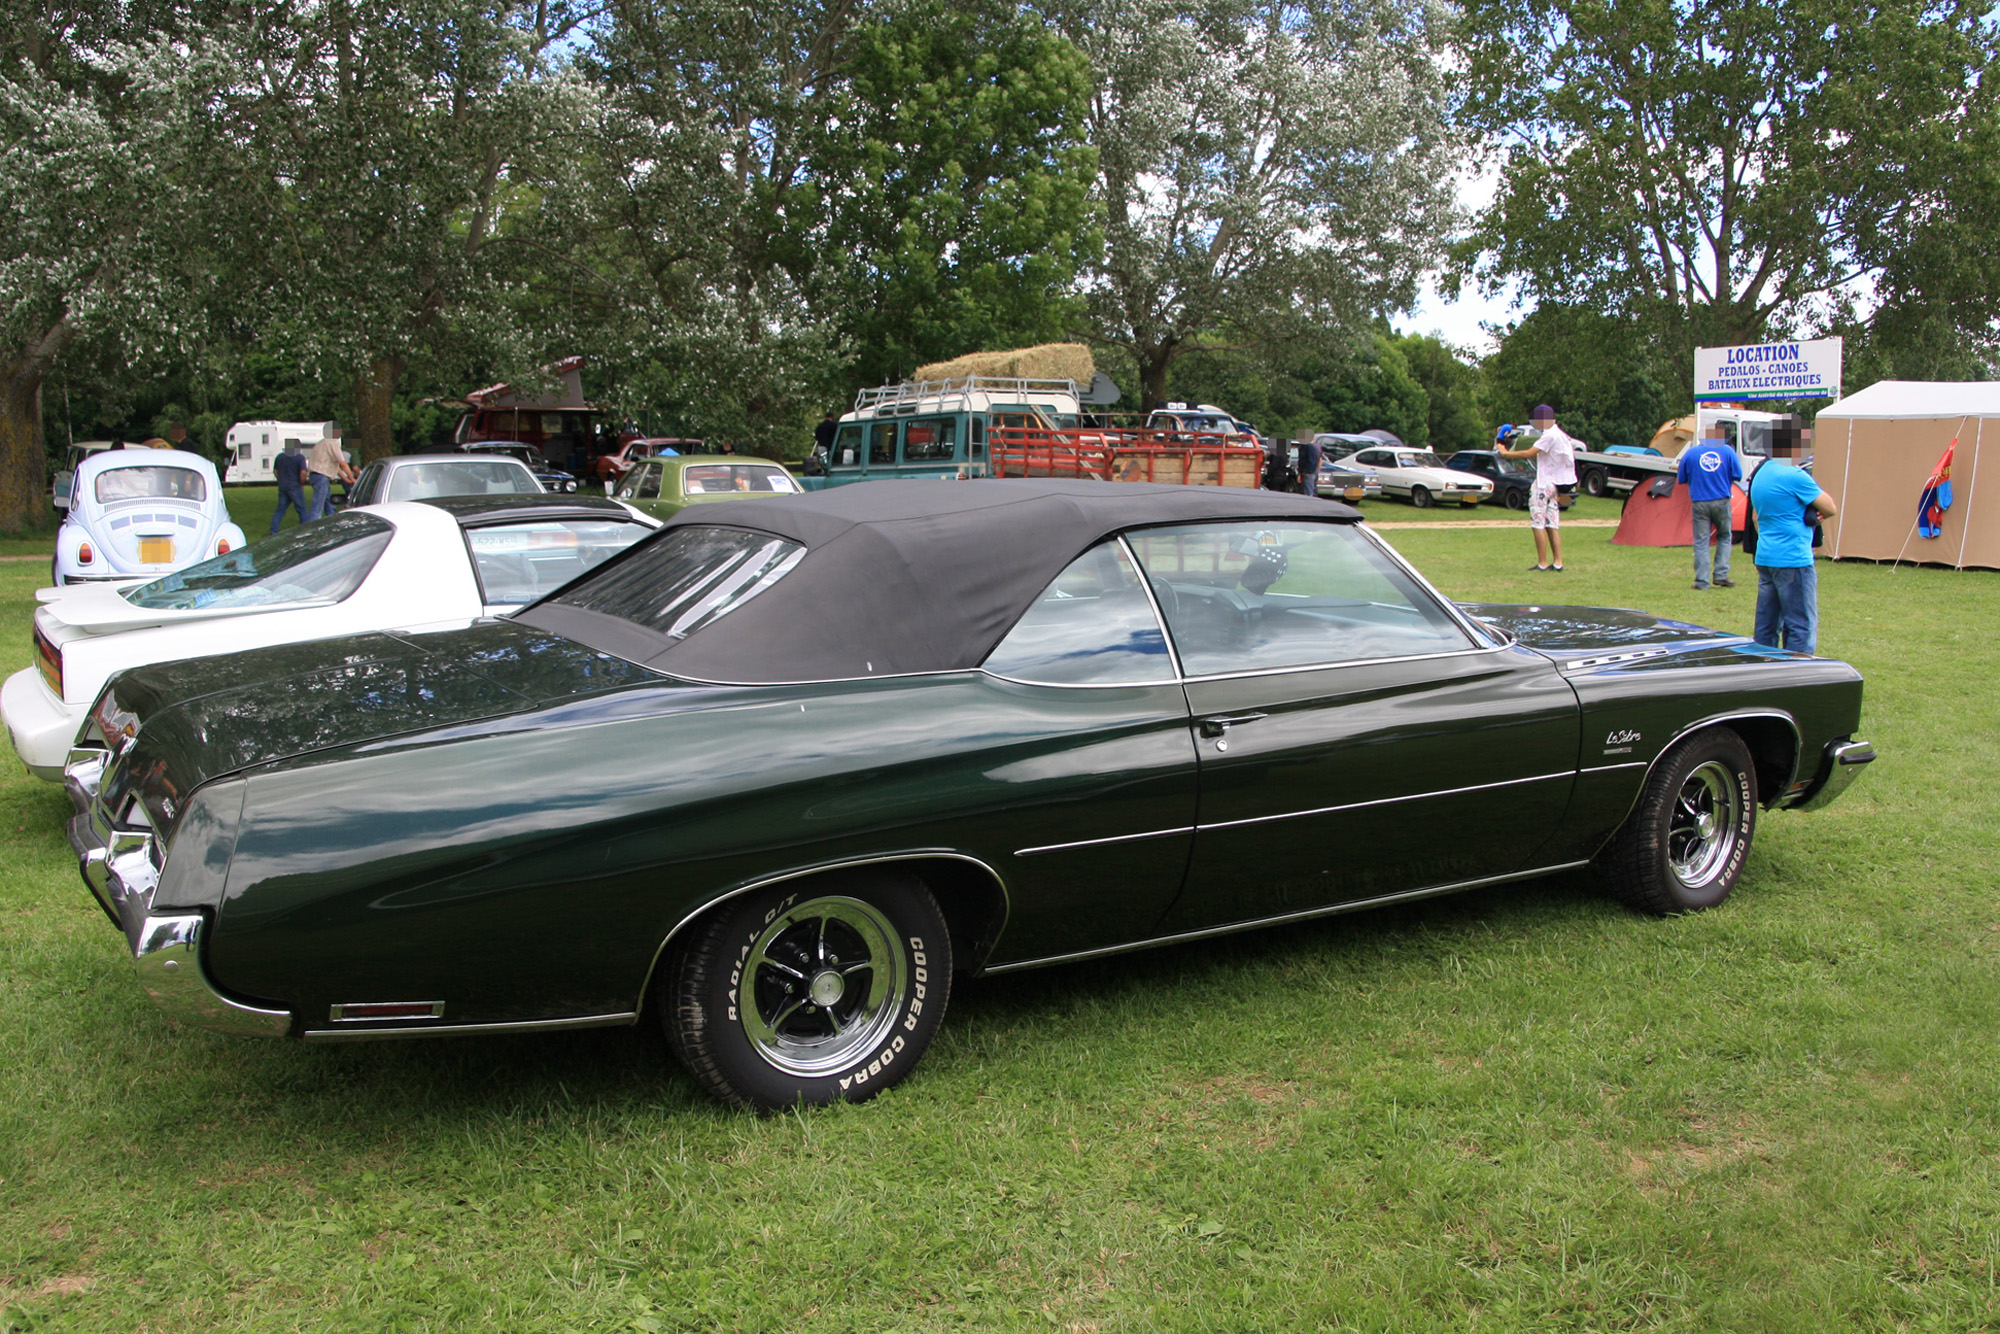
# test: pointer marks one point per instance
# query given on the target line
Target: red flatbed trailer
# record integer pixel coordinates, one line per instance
(1120, 455)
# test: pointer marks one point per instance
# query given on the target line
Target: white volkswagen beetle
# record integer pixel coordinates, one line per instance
(142, 512)
(399, 565)
(1421, 477)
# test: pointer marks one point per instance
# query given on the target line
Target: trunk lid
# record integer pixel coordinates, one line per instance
(174, 726)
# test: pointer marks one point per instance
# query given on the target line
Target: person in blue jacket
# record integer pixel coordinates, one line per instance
(1710, 470)
(1783, 494)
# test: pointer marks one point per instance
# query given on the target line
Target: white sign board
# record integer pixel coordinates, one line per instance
(1772, 370)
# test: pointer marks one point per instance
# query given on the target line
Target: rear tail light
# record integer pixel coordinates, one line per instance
(49, 658)
(84, 555)
(222, 547)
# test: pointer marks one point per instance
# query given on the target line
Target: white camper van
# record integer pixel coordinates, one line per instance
(254, 446)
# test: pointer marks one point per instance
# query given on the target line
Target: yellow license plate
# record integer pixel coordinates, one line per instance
(1355, 493)
(156, 550)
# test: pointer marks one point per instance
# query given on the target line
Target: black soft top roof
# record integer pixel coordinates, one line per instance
(905, 576)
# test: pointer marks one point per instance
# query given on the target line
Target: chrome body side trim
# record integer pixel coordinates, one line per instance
(1613, 768)
(1309, 914)
(338, 1013)
(914, 855)
(1098, 842)
(1841, 765)
(470, 1030)
(166, 951)
(1388, 801)
(1351, 662)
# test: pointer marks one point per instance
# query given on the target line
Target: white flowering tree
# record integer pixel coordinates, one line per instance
(102, 146)
(1265, 168)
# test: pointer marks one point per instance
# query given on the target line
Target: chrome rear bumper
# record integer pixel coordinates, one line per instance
(1841, 765)
(117, 865)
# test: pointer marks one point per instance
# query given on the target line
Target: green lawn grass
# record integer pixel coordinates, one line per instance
(1384, 510)
(1519, 1109)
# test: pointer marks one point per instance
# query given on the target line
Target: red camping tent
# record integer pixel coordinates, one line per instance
(1667, 521)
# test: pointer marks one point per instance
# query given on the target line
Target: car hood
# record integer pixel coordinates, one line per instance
(1594, 636)
(182, 724)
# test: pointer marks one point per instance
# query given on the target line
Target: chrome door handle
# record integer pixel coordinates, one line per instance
(1217, 729)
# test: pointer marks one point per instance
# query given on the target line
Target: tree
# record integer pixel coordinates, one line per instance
(1723, 169)
(1375, 390)
(1451, 387)
(103, 146)
(1593, 369)
(1267, 170)
(379, 145)
(956, 186)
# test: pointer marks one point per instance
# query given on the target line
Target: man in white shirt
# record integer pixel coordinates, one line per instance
(1554, 453)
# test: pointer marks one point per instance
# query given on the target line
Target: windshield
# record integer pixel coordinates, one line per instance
(462, 477)
(707, 479)
(318, 561)
(150, 483)
(688, 577)
(519, 562)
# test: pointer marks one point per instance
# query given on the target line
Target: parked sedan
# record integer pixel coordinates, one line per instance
(664, 486)
(1511, 478)
(429, 476)
(389, 565)
(552, 478)
(1422, 478)
(775, 775)
(135, 513)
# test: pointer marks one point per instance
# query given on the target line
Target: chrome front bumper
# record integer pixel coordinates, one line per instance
(117, 865)
(1841, 765)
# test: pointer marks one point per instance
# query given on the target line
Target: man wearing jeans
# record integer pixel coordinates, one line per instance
(1710, 471)
(1783, 494)
(323, 466)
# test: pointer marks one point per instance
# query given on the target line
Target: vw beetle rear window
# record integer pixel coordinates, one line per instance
(150, 483)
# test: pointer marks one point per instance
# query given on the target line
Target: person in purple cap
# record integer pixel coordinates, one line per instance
(1554, 453)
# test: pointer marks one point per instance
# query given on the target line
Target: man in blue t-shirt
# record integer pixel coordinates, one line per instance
(1787, 585)
(290, 470)
(1710, 470)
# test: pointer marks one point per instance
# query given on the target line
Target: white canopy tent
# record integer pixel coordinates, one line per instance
(1873, 451)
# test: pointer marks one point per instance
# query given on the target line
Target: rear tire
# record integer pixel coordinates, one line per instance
(1596, 481)
(824, 991)
(1515, 499)
(1686, 841)
(1421, 497)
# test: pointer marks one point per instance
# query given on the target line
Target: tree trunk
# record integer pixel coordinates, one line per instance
(374, 395)
(1153, 363)
(24, 473)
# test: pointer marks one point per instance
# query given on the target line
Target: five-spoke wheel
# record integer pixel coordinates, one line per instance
(813, 993)
(1684, 844)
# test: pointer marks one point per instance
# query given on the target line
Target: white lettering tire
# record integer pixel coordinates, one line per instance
(823, 991)
(1686, 841)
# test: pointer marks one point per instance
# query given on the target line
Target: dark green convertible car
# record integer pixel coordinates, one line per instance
(778, 772)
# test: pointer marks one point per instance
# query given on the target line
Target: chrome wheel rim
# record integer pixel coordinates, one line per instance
(1701, 836)
(822, 985)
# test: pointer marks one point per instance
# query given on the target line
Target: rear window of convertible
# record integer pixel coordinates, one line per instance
(685, 578)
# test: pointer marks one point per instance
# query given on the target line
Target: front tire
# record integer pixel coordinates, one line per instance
(1421, 497)
(1685, 843)
(812, 993)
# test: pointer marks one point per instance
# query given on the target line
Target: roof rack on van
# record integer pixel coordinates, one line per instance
(935, 391)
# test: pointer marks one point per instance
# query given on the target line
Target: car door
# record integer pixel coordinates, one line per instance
(641, 487)
(1095, 762)
(1357, 737)
(1384, 462)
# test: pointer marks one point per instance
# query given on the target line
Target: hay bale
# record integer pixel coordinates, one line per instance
(1049, 361)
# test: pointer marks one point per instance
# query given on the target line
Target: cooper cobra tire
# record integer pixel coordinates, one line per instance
(1596, 481)
(813, 993)
(1516, 498)
(1685, 843)
(1421, 497)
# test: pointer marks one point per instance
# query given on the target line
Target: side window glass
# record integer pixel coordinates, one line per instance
(847, 446)
(1093, 625)
(882, 442)
(1244, 597)
(649, 482)
(930, 440)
